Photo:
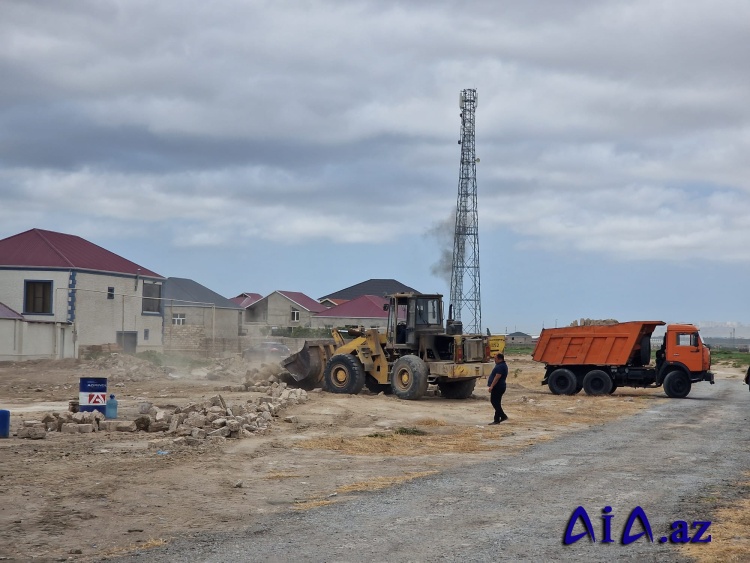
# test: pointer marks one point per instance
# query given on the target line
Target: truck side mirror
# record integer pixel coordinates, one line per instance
(385, 306)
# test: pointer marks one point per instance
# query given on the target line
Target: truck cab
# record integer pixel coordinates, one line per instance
(682, 346)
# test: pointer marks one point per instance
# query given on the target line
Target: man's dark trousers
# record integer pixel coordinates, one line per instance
(496, 396)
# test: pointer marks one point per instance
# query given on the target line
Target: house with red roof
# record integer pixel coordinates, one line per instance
(284, 309)
(245, 300)
(74, 294)
(366, 311)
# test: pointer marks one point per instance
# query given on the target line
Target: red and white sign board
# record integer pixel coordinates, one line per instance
(85, 399)
(97, 399)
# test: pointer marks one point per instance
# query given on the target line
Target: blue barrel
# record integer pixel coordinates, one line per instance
(92, 394)
(4, 424)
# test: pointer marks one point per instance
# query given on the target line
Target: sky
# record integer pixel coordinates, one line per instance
(256, 146)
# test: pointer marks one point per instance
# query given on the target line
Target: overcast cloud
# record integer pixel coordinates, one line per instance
(610, 134)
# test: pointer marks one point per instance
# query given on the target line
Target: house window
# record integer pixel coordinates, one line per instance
(178, 319)
(145, 333)
(295, 316)
(38, 297)
(110, 293)
(151, 297)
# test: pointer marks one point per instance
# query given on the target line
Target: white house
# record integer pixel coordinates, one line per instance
(70, 293)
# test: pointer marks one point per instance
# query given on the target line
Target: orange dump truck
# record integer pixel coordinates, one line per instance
(599, 359)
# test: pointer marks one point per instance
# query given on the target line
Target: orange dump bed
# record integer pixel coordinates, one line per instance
(593, 345)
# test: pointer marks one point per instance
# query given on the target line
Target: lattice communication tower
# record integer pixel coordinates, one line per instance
(465, 287)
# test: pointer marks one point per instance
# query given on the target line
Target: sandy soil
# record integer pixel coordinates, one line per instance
(88, 496)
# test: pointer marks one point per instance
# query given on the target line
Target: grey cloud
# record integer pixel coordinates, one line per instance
(590, 113)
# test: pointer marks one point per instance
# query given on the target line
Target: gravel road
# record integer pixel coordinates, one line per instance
(675, 461)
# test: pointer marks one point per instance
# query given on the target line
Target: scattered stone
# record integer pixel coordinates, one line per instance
(32, 433)
(126, 426)
(69, 428)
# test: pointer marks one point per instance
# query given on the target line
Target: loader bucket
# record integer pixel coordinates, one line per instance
(310, 362)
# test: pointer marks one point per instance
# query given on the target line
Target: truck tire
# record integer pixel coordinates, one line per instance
(344, 374)
(614, 386)
(597, 382)
(374, 387)
(409, 378)
(457, 389)
(677, 385)
(562, 382)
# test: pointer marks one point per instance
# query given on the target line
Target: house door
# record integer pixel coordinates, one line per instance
(127, 341)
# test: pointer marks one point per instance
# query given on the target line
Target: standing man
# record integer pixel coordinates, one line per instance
(496, 386)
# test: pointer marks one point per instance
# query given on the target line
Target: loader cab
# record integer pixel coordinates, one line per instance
(411, 315)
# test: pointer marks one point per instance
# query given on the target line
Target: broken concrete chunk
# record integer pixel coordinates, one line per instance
(32, 433)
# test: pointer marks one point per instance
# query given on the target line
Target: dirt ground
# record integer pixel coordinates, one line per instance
(90, 496)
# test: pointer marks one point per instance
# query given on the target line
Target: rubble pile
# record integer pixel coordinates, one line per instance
(190, 424)
(72, 423)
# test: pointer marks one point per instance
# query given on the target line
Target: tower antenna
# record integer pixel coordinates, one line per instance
(465, 287)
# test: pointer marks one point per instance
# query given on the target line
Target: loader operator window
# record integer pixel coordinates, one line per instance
(428, 312)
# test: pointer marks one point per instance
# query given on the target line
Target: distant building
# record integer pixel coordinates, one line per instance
(62, 293)
(245, 300)
(284, 309)
(518, 339)
(198, 320)
(379, 287)
(366, 311)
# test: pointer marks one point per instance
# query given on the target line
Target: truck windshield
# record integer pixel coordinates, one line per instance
(428, 312)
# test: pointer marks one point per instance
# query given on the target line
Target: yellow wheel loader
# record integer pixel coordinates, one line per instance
(414, 351)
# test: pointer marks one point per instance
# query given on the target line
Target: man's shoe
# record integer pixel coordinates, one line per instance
(494, 422)
(503, 418)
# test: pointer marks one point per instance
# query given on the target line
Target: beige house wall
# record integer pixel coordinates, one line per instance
(98, 318)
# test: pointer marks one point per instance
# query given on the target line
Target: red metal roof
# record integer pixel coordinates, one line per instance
(8, 313)
(303, 301)
(367, 307)
(244, 300)
(48, 249)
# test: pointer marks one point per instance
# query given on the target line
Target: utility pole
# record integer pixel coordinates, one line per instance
(465, 287)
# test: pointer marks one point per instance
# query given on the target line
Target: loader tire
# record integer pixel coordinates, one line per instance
(562, 382)
(344, 374)
(409, 378)
(457, 389)
(374, 387)
(597, 382)
(677, 385)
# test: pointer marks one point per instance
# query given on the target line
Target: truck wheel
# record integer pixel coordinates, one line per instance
(597, 382)
(457, 389)
(677, 385)
(614, 386)
(562, 382)
(374, 387)
(409, 378)
(344, 374)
